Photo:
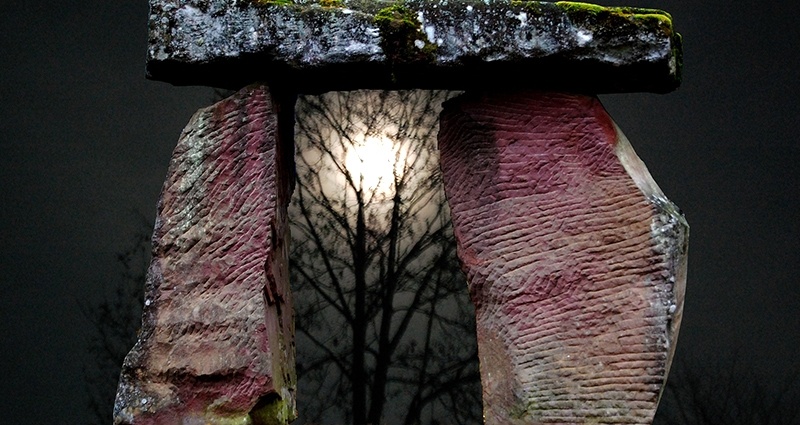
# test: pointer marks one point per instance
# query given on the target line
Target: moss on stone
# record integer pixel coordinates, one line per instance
(402, 38)
(274, 411)
(630, 13)
(533, 7)
(273, 2)
(331, 3)
(231, 420)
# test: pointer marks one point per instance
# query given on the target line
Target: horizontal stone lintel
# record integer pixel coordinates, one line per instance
(443, 44)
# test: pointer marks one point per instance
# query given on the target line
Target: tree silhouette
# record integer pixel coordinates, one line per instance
(115, 320)
(727, 392)
(386, 332)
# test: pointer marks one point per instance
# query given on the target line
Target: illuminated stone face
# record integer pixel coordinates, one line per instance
(575, 259)
(216, 345)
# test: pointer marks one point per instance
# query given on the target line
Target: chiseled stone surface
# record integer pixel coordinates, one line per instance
(444, 44)
(216, 345)
(576, 261)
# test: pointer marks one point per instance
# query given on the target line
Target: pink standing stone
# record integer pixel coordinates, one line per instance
(576, 261)
(217, 344)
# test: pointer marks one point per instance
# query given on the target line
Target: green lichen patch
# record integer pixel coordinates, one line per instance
(533, 7)
(611, 16)
(402, 38)
(273, 2)
(331, 3)
(272, 411)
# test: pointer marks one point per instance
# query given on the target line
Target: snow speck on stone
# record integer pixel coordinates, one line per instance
(584, 37)
(421, 17)
(523, 19)
(419, 43)
(430, 31)
(469, 8)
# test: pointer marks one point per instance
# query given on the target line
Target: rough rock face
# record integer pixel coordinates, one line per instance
(442, 44)
(576, 261)
(216, 345)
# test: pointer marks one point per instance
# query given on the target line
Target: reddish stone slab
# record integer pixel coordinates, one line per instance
(576, 261)
(216, 344)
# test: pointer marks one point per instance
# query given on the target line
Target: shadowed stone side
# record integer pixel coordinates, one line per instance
(413, 44)
(576, 261)
(217, 339)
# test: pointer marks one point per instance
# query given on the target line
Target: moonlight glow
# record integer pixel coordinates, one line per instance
(372, 164)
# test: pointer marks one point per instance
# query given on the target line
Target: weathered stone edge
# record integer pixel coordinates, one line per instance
(415, 44)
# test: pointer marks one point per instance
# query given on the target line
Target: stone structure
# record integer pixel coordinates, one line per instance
(217, 340)
(442, 44)
(575, 259)
(572, 254)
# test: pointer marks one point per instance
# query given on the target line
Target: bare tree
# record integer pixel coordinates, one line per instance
(728, 392)
(116, 319)
(386, 331)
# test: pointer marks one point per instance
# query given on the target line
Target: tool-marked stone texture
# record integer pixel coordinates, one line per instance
(576, 261)
(216, 345)
(442, 44)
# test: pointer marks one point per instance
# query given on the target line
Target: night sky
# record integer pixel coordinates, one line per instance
(85, 141)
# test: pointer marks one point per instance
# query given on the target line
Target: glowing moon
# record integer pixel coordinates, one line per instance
(372, 164)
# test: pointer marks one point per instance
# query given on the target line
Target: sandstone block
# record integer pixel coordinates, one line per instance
(216, 345)
(576, 261)
(316, 46)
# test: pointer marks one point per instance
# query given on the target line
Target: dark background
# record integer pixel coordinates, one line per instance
(85, 141)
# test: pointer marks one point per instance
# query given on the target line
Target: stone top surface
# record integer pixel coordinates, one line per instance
(465, 44)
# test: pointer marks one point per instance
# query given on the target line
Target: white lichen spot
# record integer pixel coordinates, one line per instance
(144, 401)
(523, 19)
(673, 65)
(421, 17)
(419, 43)
(672, 308)
(347, 11)
(584, 37)
(430, 31)
(469, 8)
(147, 302)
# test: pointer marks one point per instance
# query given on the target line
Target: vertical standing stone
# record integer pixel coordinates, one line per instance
(575, 260)
(217, 344)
